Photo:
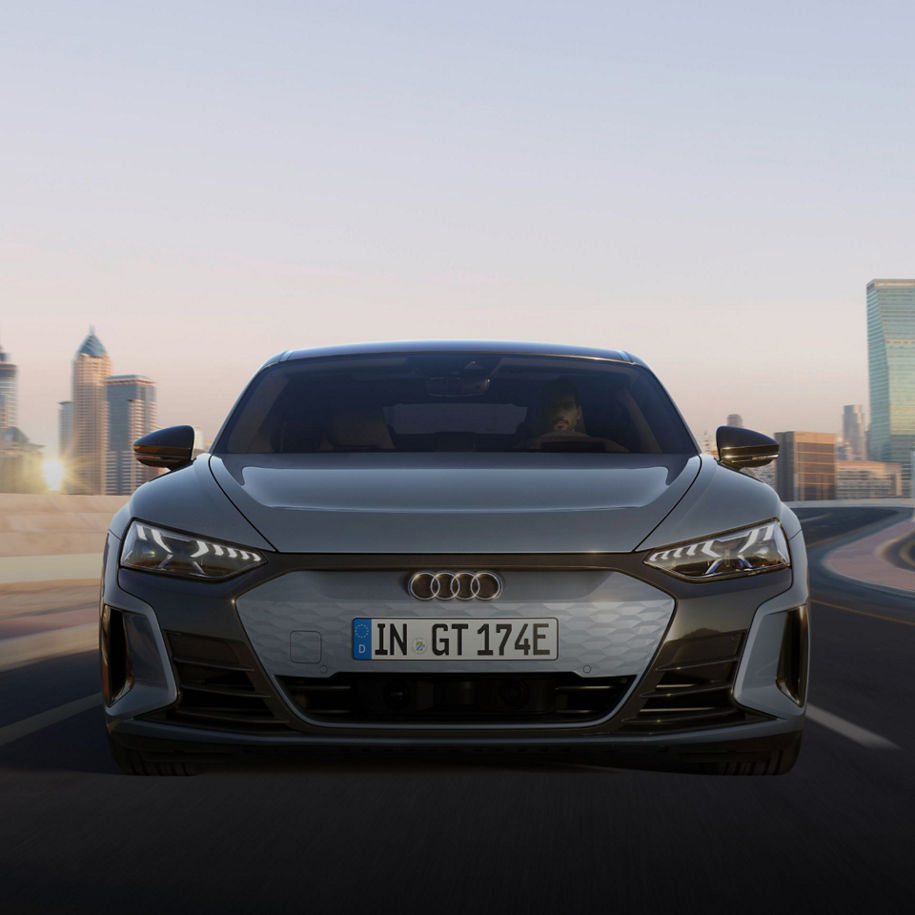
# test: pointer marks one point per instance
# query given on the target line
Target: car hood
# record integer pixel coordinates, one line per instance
(454, 503)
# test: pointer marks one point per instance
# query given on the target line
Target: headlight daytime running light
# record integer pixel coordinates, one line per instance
(158, 549)
(748, 551)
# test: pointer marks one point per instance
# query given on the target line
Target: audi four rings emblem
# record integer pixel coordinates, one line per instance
(455, 585)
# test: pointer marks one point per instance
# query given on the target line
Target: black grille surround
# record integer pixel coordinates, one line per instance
(221, 687)
(688, 687)
(457, 698)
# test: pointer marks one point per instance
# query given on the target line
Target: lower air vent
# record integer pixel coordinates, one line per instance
(219, 687)
(690, 688)
(455, 698)
(792, 661)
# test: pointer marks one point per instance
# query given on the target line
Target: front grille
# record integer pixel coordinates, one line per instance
(219, 687)
(690, 687)
(455, 698)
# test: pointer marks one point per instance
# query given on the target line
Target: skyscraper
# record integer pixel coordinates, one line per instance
(891, 366)
(806, 467)
(64, 428)
(853, 432)
(131, 403)
(88, 443)
(9, 399)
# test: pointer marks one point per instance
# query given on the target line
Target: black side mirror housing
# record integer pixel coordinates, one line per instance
(740, 448)
(170, 448)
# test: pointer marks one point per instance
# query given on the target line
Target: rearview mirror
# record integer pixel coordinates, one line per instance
(740, 448)
(171, 448)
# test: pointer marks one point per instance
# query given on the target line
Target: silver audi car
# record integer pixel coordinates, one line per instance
(442, 547)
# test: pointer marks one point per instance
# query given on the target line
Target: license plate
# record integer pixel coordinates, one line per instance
(455, 640)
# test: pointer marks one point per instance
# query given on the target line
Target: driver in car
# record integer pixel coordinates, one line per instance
(565, 425)
(562, 417)
(562, 408)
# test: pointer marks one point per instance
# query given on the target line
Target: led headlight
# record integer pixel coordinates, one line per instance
(748, 551)
(157, 549)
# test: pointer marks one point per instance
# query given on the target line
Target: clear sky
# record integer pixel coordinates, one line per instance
(708, 184)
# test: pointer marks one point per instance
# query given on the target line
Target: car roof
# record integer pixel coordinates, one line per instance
(457, 346)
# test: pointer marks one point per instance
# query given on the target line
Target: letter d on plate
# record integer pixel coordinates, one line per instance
(362, 639)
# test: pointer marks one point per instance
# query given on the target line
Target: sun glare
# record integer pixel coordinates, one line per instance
(53, 474)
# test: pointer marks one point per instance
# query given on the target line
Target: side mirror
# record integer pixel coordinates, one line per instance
(171, 448)
(740, 448)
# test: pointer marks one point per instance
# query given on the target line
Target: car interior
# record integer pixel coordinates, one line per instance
(307, 411)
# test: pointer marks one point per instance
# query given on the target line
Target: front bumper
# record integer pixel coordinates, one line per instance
(701, 675)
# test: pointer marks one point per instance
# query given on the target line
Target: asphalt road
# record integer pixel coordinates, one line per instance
(834, 835)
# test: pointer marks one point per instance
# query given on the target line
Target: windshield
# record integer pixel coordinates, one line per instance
(445, 402)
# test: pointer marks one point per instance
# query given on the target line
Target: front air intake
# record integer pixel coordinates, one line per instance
(219, 686)
(455, 699)
(117, 673)
(792, 661)
(691, 687)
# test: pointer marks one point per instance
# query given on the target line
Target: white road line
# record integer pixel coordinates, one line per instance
(20, 729)
(847, 729)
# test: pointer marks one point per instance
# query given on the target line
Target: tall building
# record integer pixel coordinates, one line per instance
(21, 461)
(88, 442)
(891, 366)
(806, 468)
(131, 403)
(853, 432)
(735, 419)
(64, 428)
(9, 397)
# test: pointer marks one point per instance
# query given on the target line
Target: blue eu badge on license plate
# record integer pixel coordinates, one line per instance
(362, 639)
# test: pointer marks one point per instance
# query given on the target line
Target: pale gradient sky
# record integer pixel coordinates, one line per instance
(709, 185)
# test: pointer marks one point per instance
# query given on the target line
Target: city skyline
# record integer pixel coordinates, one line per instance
(108, 412)
(62, 409)
(97, 426)
(198, 388)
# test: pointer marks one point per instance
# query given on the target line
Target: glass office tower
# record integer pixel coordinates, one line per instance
(64, 428)
(853, 432)
(891, 365)
(131, 413)
(8, 394)
(806, 466)
(89, 421)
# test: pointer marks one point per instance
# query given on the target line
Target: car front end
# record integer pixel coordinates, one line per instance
(515, 591)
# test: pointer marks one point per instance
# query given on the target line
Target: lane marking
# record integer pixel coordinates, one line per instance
(20, 729)
(876, 616)
(859, 735)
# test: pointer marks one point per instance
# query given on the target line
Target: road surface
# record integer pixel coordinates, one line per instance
(834, 835)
